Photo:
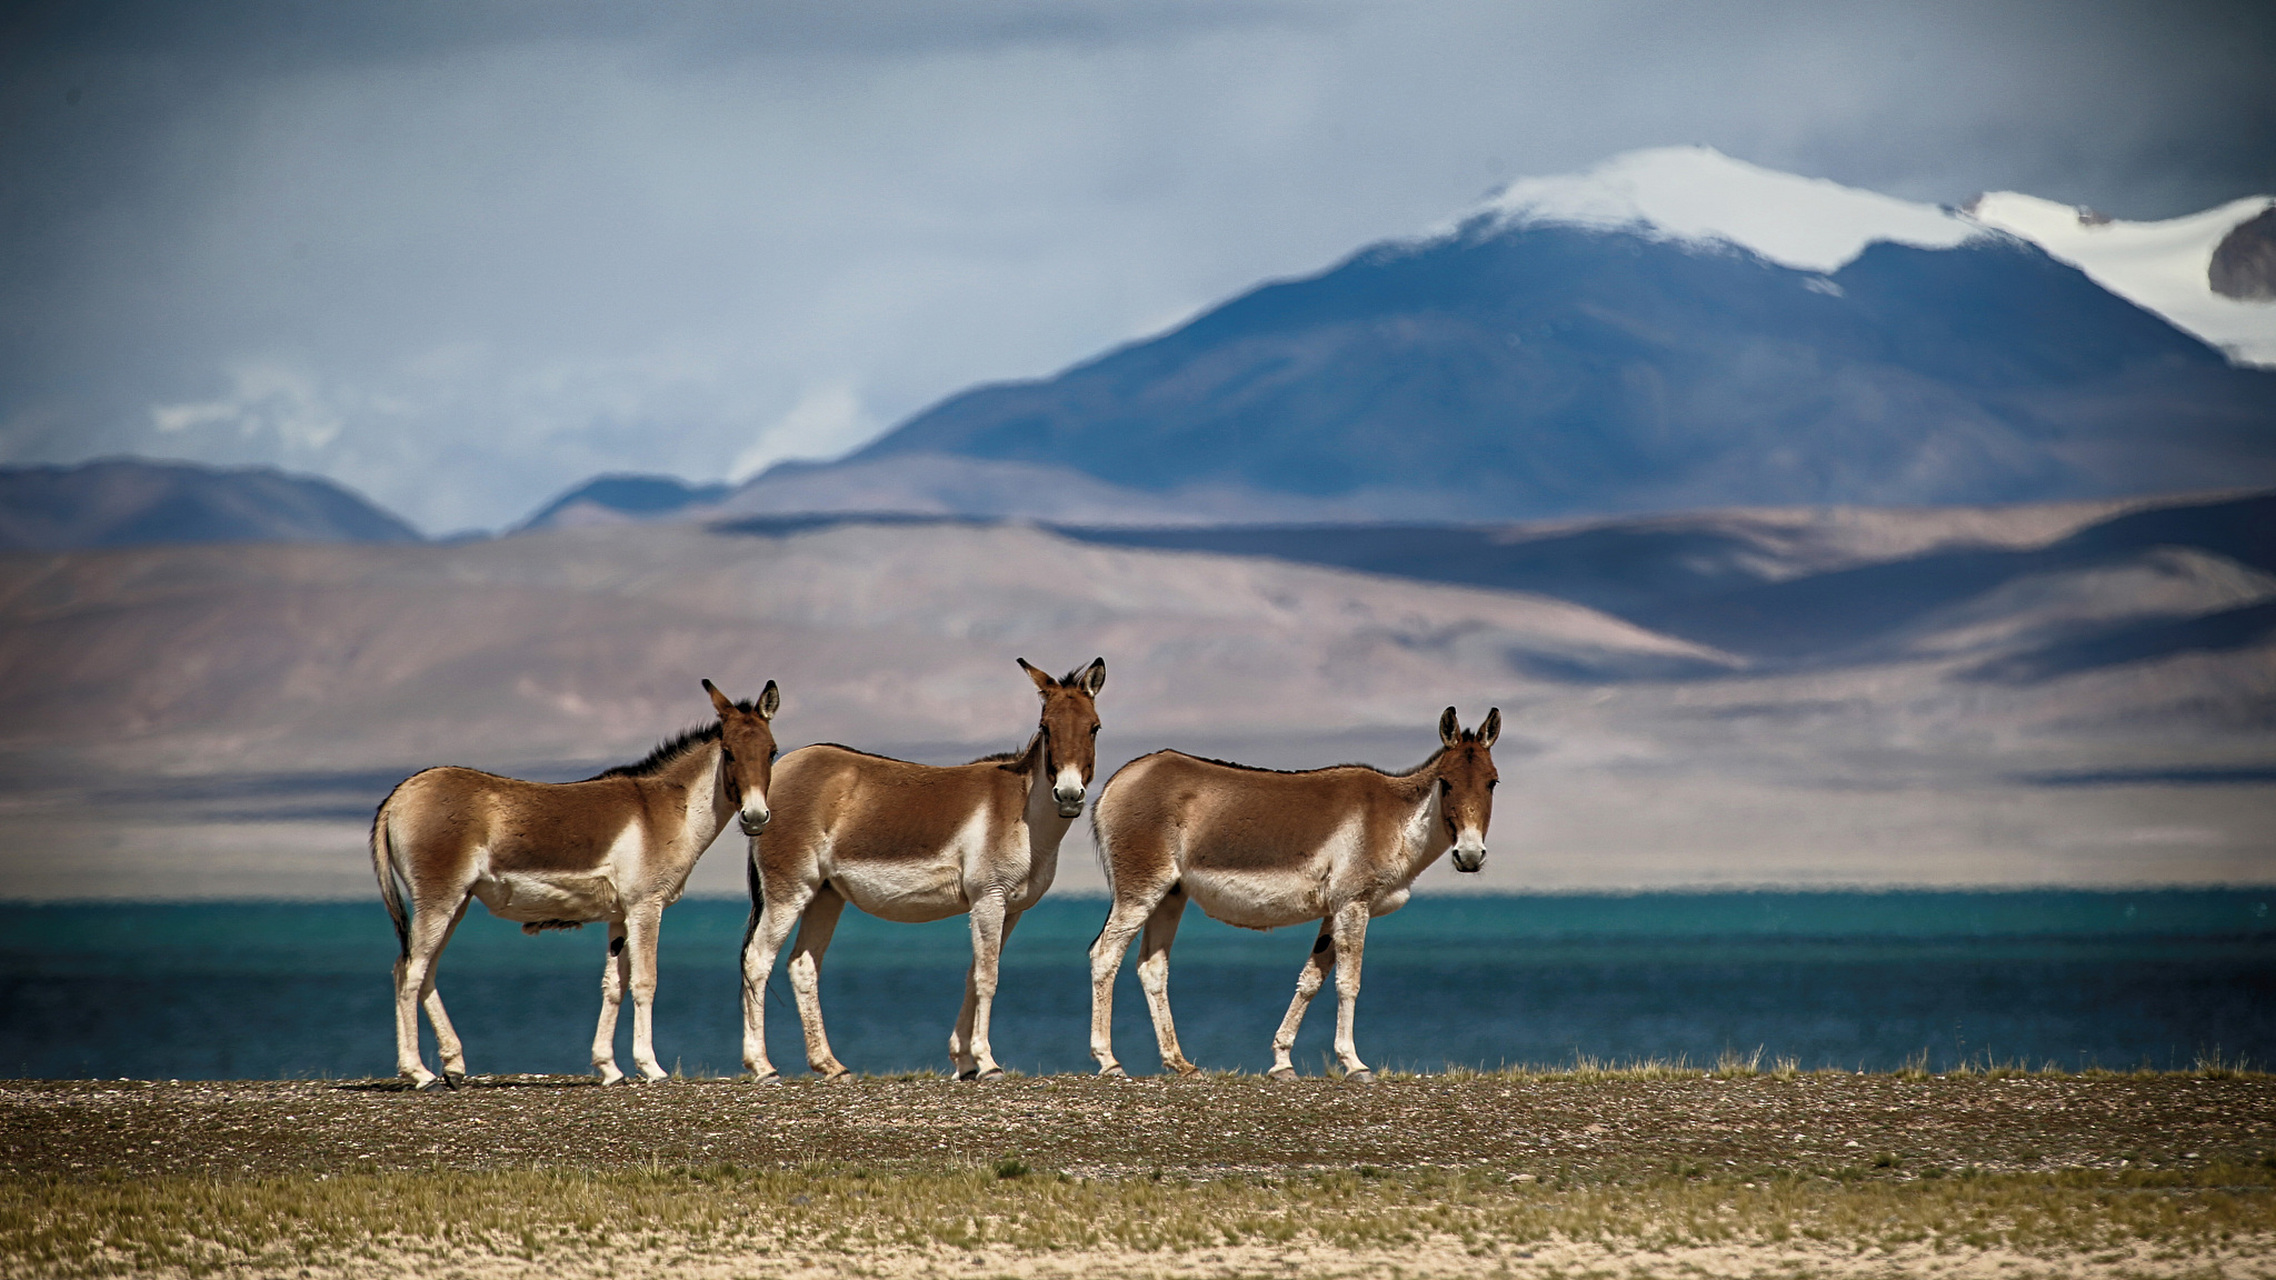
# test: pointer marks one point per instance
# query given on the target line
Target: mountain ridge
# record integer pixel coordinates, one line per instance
(137, 501)
(1540, 371)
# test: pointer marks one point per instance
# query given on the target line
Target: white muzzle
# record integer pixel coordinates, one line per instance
(1470, 851)
(1068, 791)
(753, 817)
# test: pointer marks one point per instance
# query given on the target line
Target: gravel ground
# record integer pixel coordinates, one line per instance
(1593, 1130)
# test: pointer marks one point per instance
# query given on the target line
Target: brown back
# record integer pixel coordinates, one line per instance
(878, 809)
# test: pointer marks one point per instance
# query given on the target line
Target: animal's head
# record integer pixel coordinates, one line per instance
(1466, 780)
(746, 752)
(1070, 730)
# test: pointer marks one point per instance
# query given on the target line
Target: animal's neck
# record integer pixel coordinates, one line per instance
(1425, 830)
(1037, 762)
(709, 806)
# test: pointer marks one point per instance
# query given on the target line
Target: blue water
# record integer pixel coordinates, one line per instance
(1853, 980)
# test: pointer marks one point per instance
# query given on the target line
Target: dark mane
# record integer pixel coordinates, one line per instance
(1022, 758)
(1431, 759)
(1348, 764)
(855, 751)
(669, 750)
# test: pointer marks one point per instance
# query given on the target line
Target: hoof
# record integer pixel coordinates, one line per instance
(423, 1081)
(610, 1075)
(1281, 1073)
(652, 1074)
(454, 1079)
(1113, 1071)
(839, 1076)
(1361, 1076)
(1183, 1068)
(771, 1077)
(991, 1075)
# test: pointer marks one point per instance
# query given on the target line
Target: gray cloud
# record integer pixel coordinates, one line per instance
(461, 256)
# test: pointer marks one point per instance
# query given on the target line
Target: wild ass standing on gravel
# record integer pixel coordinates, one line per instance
(1260, 849)
(912, 843)
(615, 847)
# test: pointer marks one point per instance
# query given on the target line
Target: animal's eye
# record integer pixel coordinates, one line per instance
(772, 756)
(1446, 786)
(1094, 730)
(1491, 783)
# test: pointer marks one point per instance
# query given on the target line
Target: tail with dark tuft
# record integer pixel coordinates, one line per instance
(390, 887)
(758, 895)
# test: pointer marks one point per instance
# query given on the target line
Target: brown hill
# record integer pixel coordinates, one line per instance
(221, 720)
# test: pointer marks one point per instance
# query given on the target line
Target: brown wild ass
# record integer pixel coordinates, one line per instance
(913, 842)
(1261, 849)
(616, 847)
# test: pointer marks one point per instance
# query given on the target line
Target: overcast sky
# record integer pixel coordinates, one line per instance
(463, 255)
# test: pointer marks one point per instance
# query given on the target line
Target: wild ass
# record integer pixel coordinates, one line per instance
(913, 842)
(616, 847)
(1260, 849)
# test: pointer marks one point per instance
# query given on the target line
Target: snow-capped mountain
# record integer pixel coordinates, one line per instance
(2167, 267)
(1699, 196)
(1672, 329)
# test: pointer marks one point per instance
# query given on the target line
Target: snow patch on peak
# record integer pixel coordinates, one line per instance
(2159, 266)
(1699, 195)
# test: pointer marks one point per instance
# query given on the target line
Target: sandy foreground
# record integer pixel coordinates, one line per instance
(1417, 1261)
(1681, 1175)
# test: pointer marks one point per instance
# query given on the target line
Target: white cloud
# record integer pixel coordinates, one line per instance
(267, 404)
(826, 421)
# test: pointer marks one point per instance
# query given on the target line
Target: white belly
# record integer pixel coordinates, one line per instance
(911, 892)
(534, 897)
(1257, 899)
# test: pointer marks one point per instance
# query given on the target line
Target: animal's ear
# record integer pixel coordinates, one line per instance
(720, 702)
(1449, 727)
(1043, 681)
(1491, 729)
(770, 701)
(1095, 678)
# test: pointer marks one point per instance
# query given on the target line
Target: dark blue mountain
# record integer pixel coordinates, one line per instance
(1517, 372)
(1706, 579)
(129, 501)
(636, 496)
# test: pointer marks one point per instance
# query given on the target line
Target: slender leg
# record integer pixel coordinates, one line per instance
(814, 930)
(1308, 980)
(1154, 978)
(968, 1044)
(446, 1036)
(1123, 921)
(641, 928)
(775, 916)
(1351, 941)
(616, 974)
(414, 978)
(971, 1011)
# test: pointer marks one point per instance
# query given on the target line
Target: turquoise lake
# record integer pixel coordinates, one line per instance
(1852, 980)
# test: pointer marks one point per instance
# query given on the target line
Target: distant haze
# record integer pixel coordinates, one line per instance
(460, 258)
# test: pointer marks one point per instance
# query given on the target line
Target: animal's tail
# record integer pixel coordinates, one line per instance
(758, 894)
(390, 885)
(1098, 836)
